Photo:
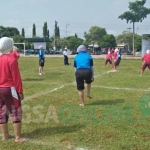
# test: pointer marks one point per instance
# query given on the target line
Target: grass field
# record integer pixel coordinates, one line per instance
(117, 118)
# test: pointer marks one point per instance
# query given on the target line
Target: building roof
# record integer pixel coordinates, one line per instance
(37, 39)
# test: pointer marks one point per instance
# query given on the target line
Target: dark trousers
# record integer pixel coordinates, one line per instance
(66, 60)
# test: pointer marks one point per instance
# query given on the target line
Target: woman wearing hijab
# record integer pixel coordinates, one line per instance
(146, 61)
(41, 60)
(83, 62)
(11, 92)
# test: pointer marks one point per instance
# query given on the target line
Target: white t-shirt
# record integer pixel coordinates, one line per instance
(65, 53)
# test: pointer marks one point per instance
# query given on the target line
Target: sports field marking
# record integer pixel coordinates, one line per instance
(43, 93)
(69, 146)
(47, 91)
(117, 88)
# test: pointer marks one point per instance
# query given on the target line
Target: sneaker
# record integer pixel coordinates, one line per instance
(40, 74)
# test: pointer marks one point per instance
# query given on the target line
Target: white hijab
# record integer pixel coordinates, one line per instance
(6, 45)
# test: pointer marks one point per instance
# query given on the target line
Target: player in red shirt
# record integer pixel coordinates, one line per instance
(108, 59)
(146, 61)
(115, 58)
(11, 92)
(15, 53)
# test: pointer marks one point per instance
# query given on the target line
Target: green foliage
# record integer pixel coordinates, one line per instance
(45, 30)
(138, 42)
(126, 38)
(85, 43)
(23, 32)
(74, 42)
(57, 33)
(8, 31)
(76, 35)
(107, 40)
(137, 12)
(95, 34)
(34, 31)
(47, 33)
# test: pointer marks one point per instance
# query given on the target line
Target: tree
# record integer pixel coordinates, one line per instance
(74, 42)
(125, 38)
(47, 33)
(137, 13)
(8, 31)
(107, 40)
(94, 35)
(76, 35)
(138, 42)
(57, 33)
(34, 31)
(45, 30)
(23, 32)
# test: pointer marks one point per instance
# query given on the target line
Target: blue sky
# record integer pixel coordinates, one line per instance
(78, 15)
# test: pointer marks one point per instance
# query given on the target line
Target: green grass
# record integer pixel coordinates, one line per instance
(112, 120)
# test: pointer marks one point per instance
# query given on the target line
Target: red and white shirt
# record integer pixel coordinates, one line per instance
(108, 56)
(146, 58)
(115, 56)
(9, 72)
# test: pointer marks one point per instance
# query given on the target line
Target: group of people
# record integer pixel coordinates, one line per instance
(116, 56)
(11, 91)
(113, 57)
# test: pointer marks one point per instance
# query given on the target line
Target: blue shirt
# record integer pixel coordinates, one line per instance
(83, 61)
(41, 54)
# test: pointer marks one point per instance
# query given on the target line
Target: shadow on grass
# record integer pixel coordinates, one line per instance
(32, 79)
(107, 102)
(50, 131)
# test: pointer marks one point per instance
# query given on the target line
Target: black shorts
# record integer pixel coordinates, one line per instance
(41, 62)
(81, 76)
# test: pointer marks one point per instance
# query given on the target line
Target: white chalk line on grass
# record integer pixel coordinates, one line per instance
(43, 93)
(69, 146)
(47, 91)
(117, 88)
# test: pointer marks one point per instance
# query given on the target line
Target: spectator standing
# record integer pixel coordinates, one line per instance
(11, 92)
(65, 57)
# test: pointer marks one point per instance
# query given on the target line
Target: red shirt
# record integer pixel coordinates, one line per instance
(146, 58)
(9, 72)
(115, 55)
(15, 54)
(108, 56)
